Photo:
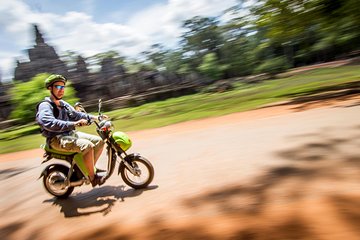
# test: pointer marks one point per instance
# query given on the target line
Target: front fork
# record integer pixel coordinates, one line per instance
(112, 149)
(114, 152)
(127, 161)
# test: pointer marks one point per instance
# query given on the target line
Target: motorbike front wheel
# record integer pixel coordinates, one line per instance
(54, 181)
(144, 173)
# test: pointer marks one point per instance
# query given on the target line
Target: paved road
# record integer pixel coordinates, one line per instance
(255, 175)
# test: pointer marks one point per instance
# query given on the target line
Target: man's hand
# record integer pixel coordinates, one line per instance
(81, 122)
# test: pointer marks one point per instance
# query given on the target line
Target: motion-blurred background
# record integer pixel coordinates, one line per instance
(132, 53)
(280, 172)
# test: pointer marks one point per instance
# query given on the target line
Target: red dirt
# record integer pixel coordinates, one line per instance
(284, 173)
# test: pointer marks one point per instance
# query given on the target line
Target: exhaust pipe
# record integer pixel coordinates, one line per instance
(62, 185)
(77, 183)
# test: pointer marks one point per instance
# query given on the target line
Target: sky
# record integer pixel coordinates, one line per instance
(88, 27)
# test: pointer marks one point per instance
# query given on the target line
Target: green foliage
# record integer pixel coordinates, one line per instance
(201, 105)
(174, 62)
(201, 36)
(98, 58)
(210, 67)
(257, 38)
(95, 62)
(19, 131)
(309, 31)
(25, 96)
(156, 55)
(183, 69)
(272, 66)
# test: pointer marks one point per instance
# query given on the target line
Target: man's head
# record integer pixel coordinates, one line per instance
(56, 84)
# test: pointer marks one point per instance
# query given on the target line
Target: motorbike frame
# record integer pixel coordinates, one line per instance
(77, 165)
(76, 161)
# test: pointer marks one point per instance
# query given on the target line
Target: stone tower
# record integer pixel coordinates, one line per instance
(43, 58)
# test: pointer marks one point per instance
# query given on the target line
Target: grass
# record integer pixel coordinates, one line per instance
(201, 105)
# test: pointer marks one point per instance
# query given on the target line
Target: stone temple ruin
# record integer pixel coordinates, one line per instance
(112, 83)
(43, 58)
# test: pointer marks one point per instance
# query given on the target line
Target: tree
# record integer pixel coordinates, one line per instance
(96, 60)
(309, 31)
(211, 68)
(283, 23)
(155, 56)
(237, 49)
(272, 66)
(25, 96)
(202, 37)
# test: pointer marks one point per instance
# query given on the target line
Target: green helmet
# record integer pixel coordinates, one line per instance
(122, 139)
(54, 78)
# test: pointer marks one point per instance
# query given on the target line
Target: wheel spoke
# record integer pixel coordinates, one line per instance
(55, 181)
(142, 173)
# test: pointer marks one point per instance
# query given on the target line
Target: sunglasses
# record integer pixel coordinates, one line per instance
(59, 87)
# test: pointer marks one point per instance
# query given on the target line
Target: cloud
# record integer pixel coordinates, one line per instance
(6, 62)
(162, 23)
(79, 32)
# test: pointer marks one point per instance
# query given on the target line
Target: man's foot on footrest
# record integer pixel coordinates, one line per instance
(101, 181)
(98, 180)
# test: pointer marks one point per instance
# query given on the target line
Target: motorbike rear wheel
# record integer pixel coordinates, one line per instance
(144, 173)
(54, 181)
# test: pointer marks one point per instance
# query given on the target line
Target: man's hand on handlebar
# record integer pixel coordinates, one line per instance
(85, 122)
(81, 122)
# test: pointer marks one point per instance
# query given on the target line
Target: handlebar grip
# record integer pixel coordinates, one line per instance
(89, 120)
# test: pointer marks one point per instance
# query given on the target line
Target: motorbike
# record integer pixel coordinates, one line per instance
(61, 177)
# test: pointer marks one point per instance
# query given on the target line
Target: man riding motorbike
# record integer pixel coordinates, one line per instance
(58, 120)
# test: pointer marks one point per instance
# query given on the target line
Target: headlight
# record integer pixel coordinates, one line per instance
(106, 126)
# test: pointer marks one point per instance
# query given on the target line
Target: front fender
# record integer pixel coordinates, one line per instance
(129, 158)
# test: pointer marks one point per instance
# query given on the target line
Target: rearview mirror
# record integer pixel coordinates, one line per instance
(100, 103)
(79, 107)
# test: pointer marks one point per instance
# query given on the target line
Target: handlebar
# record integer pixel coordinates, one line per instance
(78, 107)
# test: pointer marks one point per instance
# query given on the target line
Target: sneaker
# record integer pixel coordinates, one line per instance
(101, 181)
(98, 180)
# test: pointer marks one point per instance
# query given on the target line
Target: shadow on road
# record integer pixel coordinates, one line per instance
(311, 193)
(98, 200)
(8, 231)
(306, 196)
(12, 172)
(323, 96)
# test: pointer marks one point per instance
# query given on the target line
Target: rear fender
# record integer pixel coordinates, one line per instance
(48, 168)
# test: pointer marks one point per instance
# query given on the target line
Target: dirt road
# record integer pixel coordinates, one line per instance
(273, 173)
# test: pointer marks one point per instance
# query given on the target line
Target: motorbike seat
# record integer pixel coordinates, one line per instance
(50, 150)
